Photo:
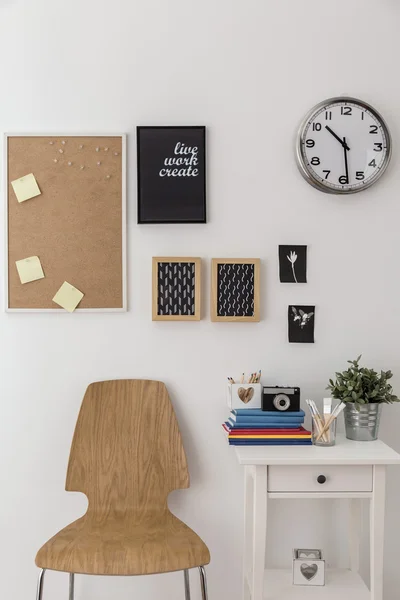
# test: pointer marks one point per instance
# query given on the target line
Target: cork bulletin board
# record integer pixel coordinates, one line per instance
(76, 226)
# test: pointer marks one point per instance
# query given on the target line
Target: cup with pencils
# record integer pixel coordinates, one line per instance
(244, 392)
(324, 424)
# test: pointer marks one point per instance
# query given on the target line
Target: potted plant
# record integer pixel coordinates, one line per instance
(364, 391)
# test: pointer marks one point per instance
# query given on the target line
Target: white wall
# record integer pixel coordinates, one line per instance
(248, 70)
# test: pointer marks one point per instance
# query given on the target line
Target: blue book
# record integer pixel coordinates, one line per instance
(259, 419)
(257, 412)
(270, 442)
(252, 425)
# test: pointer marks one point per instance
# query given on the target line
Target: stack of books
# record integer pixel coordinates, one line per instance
(255, 427)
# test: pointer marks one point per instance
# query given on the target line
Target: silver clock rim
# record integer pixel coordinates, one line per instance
(299, 154)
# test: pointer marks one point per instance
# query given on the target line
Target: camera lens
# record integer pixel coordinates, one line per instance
(281, 402)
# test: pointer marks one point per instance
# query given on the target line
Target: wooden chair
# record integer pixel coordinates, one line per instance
(126, 457)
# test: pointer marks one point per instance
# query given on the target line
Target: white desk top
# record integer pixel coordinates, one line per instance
(345, 452)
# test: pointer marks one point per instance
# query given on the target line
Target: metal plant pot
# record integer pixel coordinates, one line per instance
(362, 425)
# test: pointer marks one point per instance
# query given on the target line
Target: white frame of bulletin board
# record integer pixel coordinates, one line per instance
(123, 238)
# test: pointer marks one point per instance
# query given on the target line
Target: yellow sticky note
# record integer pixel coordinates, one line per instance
(68, 297)
(29, 269)
(26, 187)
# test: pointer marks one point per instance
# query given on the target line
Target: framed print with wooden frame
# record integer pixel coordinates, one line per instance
(235, 289)
(176, 289)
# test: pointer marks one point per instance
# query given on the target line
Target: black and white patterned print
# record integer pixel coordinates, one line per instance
(235, 290)
(176, 288)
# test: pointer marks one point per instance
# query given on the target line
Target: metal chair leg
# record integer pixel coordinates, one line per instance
(39, 593)
(203, 582)
(71, 586)
(187, 584)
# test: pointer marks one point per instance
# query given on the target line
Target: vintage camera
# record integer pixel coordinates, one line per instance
(281, 398)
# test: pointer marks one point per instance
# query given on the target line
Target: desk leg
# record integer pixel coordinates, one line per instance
(259, 530)
(355, 533)
(377, 524)
(248, 531)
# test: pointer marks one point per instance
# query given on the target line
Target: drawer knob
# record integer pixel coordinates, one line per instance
(321, 478)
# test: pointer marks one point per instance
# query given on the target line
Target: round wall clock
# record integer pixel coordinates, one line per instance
(343, 146)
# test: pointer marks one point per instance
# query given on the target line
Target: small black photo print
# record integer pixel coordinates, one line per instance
(171, 174)
(235, 290)
(301, 324)
(176, 289)
(293, 264)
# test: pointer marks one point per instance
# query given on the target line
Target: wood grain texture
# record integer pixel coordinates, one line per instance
(197, 292)
(126, 457)
(214, 288)
(75, 226)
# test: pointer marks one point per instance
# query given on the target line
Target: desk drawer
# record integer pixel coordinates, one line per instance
(320, 478)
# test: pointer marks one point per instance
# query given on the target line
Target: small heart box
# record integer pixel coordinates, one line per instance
(244, 395)
(308, 567)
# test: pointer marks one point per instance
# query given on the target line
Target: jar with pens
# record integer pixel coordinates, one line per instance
(324, 425)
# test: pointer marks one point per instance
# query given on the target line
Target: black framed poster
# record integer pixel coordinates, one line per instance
(171, 174)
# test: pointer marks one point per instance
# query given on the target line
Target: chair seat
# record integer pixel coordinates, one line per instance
(112, 546)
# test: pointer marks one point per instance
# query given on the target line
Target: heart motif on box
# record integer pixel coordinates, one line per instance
(309, 571)
(245, 395)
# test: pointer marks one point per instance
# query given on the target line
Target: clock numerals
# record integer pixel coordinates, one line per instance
(328, 115)
(360, 175)
(378, 147)
(315, 161)
(316, 126)
(373, 129)
(372, 163)
(346, 110)
(326, 174)
(310, 143)
(343, 180)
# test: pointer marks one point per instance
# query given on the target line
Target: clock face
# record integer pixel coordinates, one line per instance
(343, 146)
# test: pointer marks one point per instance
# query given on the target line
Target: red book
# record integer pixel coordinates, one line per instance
(298, 431)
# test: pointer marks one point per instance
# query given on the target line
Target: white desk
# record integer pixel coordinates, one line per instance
(353, 470)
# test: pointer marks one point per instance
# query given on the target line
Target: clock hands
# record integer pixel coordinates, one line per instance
(343, 142)
(345, 149)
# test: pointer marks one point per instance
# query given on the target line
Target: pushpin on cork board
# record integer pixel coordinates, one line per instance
(77, 226)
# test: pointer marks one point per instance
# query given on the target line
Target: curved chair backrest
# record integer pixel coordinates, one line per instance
(127, 453)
